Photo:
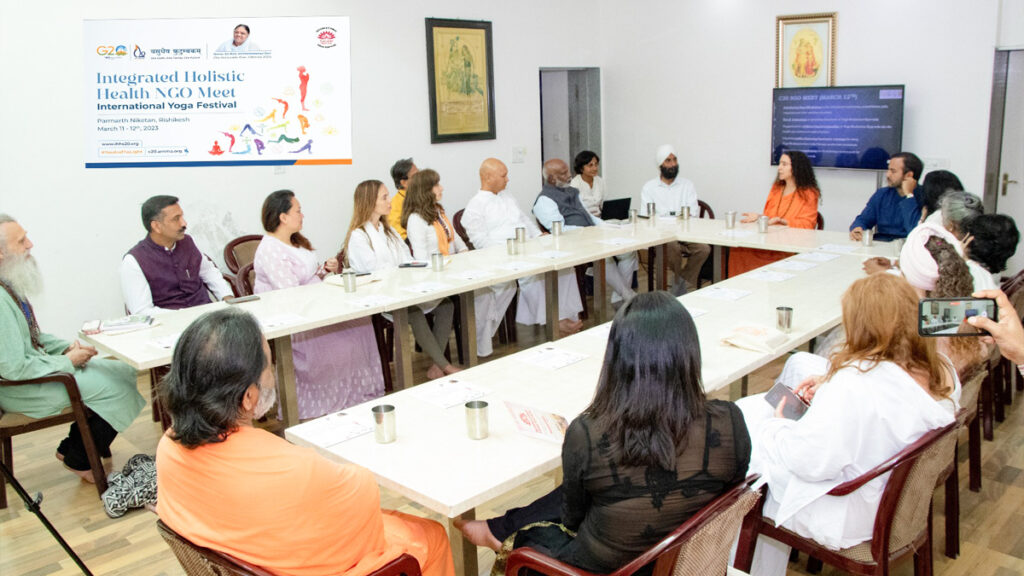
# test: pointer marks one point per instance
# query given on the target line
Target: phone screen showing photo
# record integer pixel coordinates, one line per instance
(948, 316)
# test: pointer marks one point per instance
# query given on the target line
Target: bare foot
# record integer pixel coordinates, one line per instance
(452, 369)
(150, 507)
(567, 327)
(434, 372)
(478, 533)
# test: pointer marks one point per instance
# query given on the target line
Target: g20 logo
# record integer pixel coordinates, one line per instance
(119, 50)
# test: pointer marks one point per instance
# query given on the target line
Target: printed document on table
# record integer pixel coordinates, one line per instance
(794, 265)
(841, 248)
(616, 241)
(278, 320)
(473, 274)
(448, 392)
(371, 301)
(550, 357)
(769, 275)
(717, 293)
(816, 256)
(551, 254)
(333, 429)
(166, 342)
(537, 423)
(517, 265)
(425, 287)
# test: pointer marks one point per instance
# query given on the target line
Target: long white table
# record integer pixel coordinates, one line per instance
(434, 463)
(293, 310)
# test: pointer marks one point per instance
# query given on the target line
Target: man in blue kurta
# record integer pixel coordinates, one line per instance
(895, 209)
(107, 386)
(166, 270)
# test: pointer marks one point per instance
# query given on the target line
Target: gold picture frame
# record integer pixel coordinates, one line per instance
(460, 79)
(805, 50)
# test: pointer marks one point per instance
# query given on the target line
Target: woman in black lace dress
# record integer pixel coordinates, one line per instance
(648, 453)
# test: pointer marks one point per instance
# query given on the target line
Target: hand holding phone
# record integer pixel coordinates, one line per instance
(944, 317)
(784, 399)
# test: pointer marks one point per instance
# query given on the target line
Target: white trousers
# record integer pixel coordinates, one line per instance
(531, 298)
(490, 305)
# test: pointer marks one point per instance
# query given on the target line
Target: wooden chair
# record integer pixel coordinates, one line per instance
(507, 329)
(903, 523)
(819, 222)
(700, 545)
(245, 280)
(241, 251)
(13, 424)
(200, 561)
(457, 224)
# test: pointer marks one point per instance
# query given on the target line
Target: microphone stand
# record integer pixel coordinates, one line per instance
(33, 506)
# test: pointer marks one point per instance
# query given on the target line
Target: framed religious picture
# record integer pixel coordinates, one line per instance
(460, 78)
(805, 50)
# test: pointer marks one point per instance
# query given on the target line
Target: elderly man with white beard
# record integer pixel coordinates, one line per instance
(107, 386)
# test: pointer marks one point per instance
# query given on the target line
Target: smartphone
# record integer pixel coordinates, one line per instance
(947, 316)
(413, 264)
(795, 405)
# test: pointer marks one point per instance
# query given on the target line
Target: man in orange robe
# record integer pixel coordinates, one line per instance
(226, 485)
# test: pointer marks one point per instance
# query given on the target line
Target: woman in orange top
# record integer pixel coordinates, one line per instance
(793, 201)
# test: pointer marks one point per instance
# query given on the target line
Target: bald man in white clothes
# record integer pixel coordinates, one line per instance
(490, 218)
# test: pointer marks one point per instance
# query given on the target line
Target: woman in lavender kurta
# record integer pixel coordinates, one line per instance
(335, 366)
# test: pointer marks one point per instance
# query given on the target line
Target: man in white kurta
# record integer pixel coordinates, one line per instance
(491, 218)
(669, 192)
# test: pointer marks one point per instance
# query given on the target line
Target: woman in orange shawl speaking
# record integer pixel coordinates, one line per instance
(793, 201)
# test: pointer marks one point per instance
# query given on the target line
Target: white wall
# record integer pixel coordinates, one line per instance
(700, 76)
(1011, 25)
(82, 221)
(696, 73)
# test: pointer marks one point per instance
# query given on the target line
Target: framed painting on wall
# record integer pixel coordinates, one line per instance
(460, 78)
(805, 50)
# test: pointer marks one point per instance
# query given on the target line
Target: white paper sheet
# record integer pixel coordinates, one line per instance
(616, 241)
(769, 275)
(278, 320)
(517, 265)
(473, 274)
(717, 293)
(816, 256)
(840, 248)
(551, 254)
(794, 265)
(425, 287)
(538, 423)
(550, 357)
(448, 392)
(166, 342)
(370, 301)
(334, 429)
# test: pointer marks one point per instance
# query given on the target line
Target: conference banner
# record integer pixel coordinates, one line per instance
(217, 92)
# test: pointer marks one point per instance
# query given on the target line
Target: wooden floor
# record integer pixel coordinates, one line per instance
(992, 538)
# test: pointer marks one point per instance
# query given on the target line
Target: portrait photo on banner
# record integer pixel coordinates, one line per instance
(460, 80)
(805, 50)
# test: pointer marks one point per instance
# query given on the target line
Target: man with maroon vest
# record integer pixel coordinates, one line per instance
(166, 271)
